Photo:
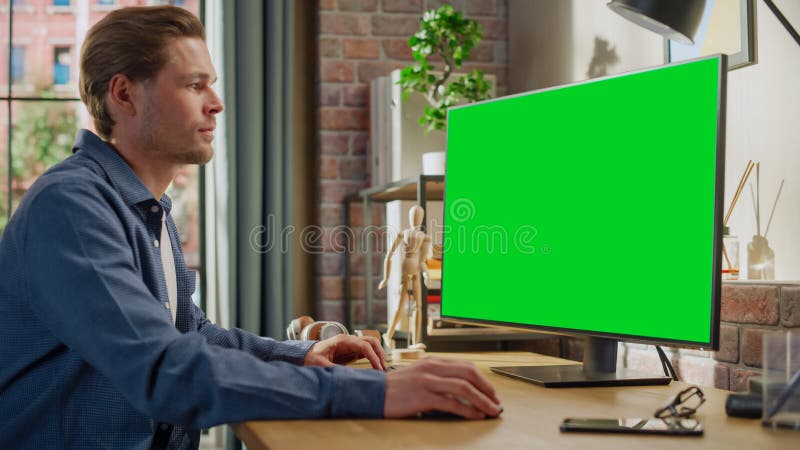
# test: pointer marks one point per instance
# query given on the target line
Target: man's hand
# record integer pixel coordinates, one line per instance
(440, 384)
(342, 349)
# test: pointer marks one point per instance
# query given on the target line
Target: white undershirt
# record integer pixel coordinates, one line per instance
(168, 262)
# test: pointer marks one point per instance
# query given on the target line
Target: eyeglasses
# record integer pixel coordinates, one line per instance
(684, 404)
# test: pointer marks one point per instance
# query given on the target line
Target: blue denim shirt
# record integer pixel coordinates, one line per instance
(89, 355)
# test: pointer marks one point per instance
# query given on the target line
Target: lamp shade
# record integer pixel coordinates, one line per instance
(676, 20)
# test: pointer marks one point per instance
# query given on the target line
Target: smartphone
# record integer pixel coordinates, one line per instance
(683, 427)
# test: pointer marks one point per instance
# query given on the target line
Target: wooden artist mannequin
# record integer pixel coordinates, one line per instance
(414, 245)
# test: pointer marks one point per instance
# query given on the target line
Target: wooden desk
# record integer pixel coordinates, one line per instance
(530, 421)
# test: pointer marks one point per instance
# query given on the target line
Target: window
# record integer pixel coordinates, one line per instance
(61, 64)
(39, 99)
(17, 64)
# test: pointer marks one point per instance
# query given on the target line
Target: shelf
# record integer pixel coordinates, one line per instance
(407, 189)
(421, 189)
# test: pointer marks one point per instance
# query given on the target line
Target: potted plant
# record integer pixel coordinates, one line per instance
(448, 35)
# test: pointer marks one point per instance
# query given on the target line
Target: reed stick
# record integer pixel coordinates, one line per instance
(780, 188)
(742, 183)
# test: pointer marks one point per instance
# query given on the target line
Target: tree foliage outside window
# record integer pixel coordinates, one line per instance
(42, 134)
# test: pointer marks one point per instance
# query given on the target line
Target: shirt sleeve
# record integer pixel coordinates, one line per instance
(266, 349)
(83, 284)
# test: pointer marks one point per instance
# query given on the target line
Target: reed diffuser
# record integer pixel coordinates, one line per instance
(730, 243)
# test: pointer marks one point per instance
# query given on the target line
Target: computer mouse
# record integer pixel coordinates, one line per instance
(444, 415)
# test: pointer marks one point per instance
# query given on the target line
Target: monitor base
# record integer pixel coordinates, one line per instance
(574, 376)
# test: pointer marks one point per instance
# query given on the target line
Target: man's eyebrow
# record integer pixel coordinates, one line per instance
(201, 76)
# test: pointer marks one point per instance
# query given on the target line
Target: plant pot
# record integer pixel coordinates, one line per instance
(433, 163)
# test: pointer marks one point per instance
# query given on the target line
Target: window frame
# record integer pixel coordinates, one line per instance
(10, 97)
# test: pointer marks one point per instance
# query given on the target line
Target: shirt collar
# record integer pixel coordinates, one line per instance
(123, 178)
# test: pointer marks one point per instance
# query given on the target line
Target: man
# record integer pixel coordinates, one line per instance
(100, 344)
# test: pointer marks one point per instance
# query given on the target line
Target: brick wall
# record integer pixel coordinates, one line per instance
(360, 40)
(748, 311)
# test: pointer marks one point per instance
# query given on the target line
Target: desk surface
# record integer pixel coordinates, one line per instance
(531, 420)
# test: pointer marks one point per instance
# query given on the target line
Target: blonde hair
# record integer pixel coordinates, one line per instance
(133, 42)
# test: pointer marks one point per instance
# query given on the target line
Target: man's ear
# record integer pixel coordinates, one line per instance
(121, 95)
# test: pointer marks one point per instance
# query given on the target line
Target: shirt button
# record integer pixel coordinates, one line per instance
(166, 305)
(154, 208)
(155, 243)
(164, 427)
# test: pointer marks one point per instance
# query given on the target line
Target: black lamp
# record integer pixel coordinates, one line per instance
(676, 20)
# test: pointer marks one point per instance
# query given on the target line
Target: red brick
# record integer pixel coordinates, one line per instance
(483, 53)
(379, 295)
(360, 141)
(334, 239)
(328, 167)
(395, 25)
(546, 346)
(347, 24)
(343, 119)
(336, 191)
(355, 95)
(358, 5)
(326, 5)
(750, 304)
(481, 7)
(379, 307)
(358, 258)
(334, 144)
(359, 312)
(357, 288)
(330, 48)
(369, 70)
(402, 6)
(329, 94)
(357, 215)
(331, 215)
(752, 346)
(729, 344)
(574, 349)
(361, 49)
(330, 264)
(335, 70)
(494, 29)
(722, 376)
(790, 306)
(352, 168)
(331, 288)
(740, 379)
(397, 49)
(331, 310)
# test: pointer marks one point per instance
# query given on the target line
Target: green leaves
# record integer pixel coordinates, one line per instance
(447, 34)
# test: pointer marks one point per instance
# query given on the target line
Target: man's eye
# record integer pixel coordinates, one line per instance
(194, 86)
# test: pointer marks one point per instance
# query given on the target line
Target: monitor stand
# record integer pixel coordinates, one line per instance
(599, 368)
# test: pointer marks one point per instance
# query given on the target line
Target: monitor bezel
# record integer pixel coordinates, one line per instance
(716, 276)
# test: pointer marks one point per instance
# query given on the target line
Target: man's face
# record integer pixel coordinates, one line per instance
(179, 105)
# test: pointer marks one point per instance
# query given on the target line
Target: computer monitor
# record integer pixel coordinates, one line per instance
(591, 209)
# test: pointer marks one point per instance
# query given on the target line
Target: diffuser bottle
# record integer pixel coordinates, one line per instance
(730, 255)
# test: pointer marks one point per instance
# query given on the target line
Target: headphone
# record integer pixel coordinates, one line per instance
(305, 328)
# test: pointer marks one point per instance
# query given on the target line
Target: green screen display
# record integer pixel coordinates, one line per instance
(590, 208)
